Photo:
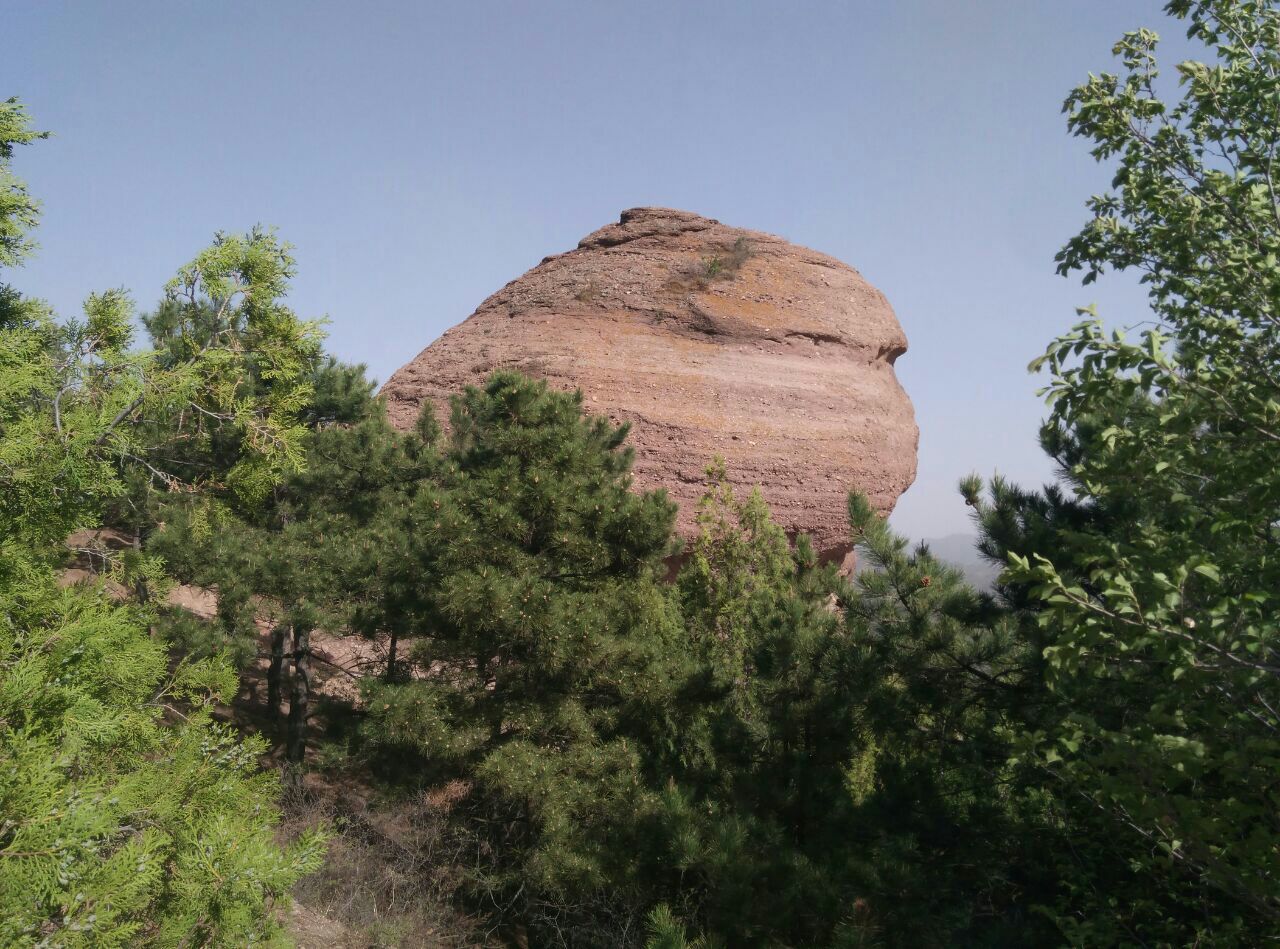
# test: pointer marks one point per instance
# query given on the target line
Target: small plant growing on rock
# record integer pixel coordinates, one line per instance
(717, 267)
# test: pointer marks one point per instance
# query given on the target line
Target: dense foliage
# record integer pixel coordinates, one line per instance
(549, 634)
(840, 748)
(615, 741)
(128, 816)
(1151, 582)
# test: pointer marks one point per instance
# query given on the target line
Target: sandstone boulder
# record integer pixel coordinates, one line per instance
(710, 340)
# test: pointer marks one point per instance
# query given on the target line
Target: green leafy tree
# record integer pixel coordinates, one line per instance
(245, 427)
(19, 213)
(1153, 584)
(129, 816)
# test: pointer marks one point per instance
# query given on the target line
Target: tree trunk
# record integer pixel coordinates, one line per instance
(275, 671)
(802, 822)
(391, 657)
(300, 695)
(140, 591)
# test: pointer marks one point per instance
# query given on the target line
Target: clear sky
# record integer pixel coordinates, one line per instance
(421, 154)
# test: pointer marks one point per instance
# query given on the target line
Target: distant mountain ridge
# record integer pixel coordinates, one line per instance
(961, 551)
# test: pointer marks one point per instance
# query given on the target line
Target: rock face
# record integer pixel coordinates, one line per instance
(709, 340)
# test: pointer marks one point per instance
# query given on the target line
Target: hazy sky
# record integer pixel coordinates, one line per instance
(422, 154)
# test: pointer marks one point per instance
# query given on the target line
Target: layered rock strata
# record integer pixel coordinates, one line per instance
(710, 340)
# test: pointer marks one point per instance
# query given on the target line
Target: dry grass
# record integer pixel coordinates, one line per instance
(724, 266)
(391, 873)
(722, 263)
(589, 293)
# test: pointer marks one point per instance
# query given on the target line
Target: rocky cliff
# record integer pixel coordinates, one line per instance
(710, 340)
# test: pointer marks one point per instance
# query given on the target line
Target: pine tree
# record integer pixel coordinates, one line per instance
(543, 626)
(833, 752)
(303, 556)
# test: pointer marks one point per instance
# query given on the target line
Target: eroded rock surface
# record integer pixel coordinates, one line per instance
(710, 340)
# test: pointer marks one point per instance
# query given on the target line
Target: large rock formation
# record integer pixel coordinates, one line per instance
(710, 340)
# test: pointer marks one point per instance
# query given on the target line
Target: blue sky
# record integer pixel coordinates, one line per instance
(421, 154)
